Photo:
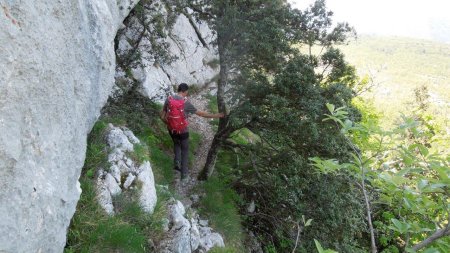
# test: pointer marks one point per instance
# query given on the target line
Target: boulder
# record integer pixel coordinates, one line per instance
(147, 192)
(120, 140)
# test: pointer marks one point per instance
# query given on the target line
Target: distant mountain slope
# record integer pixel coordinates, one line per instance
(399, 65)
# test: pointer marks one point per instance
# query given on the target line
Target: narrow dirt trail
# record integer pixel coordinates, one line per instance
(203, 127)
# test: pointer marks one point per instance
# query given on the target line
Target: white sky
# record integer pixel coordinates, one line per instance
(411, 18)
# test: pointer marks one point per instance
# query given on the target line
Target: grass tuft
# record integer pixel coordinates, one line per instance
(219, 205)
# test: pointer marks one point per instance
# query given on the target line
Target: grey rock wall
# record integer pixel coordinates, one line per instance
(188, 39)
(194, 66)
(57, 67)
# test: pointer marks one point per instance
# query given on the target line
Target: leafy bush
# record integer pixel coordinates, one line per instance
(411, 178)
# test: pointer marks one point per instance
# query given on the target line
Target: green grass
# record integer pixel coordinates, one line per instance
(140, 153)
(212, 108)
(92, 230)
(96, 151)
(160, 151)
(225, 249)
(220, 204)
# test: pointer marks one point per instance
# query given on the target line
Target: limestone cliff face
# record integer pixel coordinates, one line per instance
(195, 63)
(188, 40)
(57, 68)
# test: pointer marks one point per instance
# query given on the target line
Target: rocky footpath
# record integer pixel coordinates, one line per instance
(187, 234)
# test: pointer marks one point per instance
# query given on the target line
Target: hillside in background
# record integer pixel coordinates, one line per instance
(398, 66)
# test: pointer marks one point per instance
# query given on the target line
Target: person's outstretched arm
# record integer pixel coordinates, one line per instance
(209, 115)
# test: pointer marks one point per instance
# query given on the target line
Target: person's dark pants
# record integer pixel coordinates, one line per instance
(181, 151)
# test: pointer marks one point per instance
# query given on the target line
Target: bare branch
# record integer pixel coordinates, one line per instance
(435, 236)
(197, 31)
(298, 235)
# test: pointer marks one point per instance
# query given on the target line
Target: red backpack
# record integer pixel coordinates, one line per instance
(176, 120)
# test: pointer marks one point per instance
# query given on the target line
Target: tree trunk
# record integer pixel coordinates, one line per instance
(210, 159)
(223, 129)
(223, 79)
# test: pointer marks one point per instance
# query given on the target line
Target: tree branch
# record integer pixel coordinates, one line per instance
(197, 31)
(436, 235)
(195, 8)
(298, 235)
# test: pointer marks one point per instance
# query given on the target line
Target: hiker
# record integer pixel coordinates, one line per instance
(175, 113)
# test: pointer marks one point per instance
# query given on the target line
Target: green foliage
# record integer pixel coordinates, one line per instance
(314, 21)
(340, 72)
(411, 177)
(270, 248)
(286, 182)
(321, 250)
(278, 97)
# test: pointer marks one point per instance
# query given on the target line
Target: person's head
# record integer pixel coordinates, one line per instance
(183, 88)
